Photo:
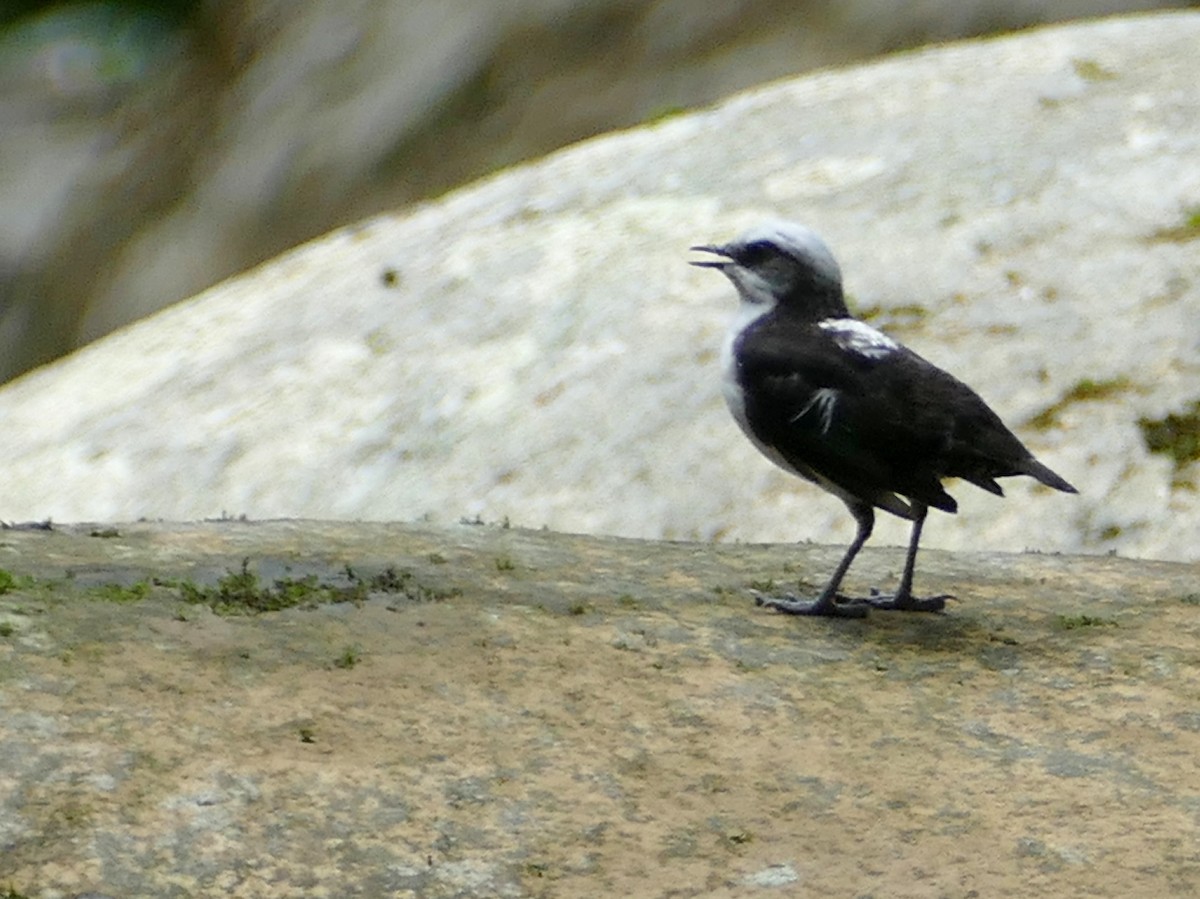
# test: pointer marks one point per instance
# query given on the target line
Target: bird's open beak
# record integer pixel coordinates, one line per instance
(710, 263)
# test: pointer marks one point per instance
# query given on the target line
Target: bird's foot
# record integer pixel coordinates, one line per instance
(904, 602)
(827, 606)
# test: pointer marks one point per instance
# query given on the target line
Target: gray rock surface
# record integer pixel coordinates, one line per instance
(140, 164)
(534, 347)
(534, 714)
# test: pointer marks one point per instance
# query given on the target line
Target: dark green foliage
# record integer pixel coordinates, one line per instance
(172, 11)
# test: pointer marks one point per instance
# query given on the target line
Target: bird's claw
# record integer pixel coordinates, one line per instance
(891, 602)
(822, 606)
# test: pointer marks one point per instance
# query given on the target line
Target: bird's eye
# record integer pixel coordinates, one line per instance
(754, 253)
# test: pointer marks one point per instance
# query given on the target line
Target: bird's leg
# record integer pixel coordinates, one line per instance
(902, 599)
(826, 603)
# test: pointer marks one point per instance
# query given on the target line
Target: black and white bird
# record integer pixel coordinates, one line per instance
(827, 397)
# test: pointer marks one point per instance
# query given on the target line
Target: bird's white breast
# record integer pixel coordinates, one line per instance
(731, 387)
(735, 398)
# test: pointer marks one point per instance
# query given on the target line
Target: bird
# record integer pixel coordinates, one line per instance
(839, 403)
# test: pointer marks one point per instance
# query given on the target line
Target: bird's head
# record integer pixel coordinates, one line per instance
(780, 262)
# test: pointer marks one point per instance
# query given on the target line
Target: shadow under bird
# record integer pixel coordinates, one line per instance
(837, 402)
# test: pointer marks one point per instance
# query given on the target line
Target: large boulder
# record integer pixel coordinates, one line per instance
(534, 347)
(149, 150)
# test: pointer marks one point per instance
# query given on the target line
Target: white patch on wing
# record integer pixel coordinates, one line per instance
(822, 400)
(858, 337)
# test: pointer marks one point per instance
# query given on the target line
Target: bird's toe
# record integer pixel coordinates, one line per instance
(821, 607)
(906, 602)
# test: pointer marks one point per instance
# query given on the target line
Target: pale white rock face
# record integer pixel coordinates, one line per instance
(536, 348)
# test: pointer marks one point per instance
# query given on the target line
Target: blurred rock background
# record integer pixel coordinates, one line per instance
(150, 149)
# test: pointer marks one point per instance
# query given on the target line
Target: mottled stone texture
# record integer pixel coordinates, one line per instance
(537, 714)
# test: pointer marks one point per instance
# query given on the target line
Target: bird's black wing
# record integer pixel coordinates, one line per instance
(875, 424)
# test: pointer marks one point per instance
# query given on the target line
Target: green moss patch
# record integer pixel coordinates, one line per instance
(908, 315)
(1074, 622)
(243, 592)
(1176, 435)
(1090, 70)
(119, 593)
(10, 582)
(1085, 391)
(348, 657)
(1186, 230)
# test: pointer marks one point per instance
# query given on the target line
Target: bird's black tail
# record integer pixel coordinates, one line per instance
(1036, 469)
